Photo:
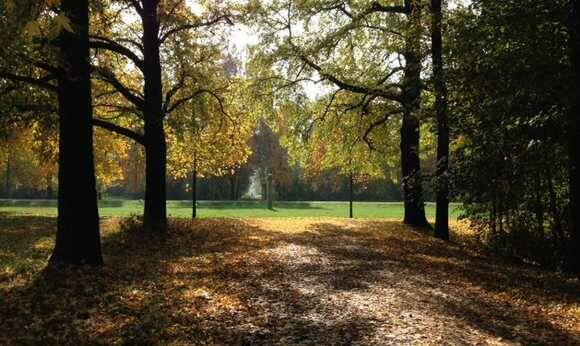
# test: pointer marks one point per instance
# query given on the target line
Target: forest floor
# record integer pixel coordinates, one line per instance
(278, 281)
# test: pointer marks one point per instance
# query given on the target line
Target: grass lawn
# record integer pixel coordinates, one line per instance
(241, 209)
(276, 281)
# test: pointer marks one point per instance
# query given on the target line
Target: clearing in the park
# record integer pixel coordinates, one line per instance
(290, 172)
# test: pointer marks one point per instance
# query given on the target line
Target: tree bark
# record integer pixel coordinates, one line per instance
(78, 238)
(411, 101)
(234, 186)
(441, 108)
(155, 213)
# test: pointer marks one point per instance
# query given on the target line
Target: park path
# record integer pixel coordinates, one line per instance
(379, 282)
(300, 282)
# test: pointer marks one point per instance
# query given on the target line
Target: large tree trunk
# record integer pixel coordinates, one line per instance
(442, 209)
(78, 237)
(155, 214)
(574, 140)
(410, 162)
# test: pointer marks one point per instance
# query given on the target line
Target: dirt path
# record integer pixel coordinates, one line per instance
(288, 282)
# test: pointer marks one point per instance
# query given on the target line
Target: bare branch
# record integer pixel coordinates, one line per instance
(187, 98)
(109, 77)
(327, 108)
(374, 125)
(211, 22)
(99, 42)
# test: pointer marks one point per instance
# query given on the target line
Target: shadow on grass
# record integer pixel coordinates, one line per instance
(110, 203)
(231, 281)
(28, 203)
(24, 242)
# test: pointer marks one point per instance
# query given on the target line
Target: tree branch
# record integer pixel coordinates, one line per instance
(109, 77)
(40, 82)
(374, 125)
(391, 95)
(211, 22)
(139, 138)
(98, 42)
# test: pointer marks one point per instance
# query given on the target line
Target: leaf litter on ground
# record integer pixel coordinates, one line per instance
(278, 281)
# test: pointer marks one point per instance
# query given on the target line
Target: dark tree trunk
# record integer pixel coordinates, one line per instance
(574, 139)
(411, 167)
(155, 214)
(442, 209)
(194, 194)
(410, 162)
(78, 238)
(350, 195)
(234, 187)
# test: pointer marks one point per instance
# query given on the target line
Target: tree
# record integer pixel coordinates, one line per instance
(269, 161)
(213, 140)
(161, 23)
(508, 107)
(344, 47)
(410, 130)
(440, 90)
(326, 136)
(77, 238)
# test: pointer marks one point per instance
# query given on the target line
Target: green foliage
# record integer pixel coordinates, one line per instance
(509, 99)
